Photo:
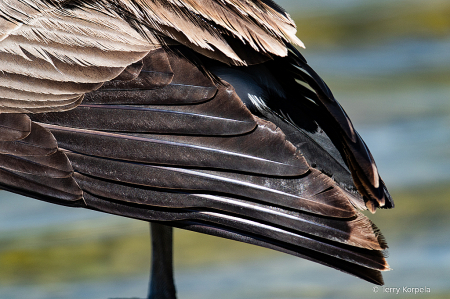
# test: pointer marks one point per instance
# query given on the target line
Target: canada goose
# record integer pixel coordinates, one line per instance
(197, 114)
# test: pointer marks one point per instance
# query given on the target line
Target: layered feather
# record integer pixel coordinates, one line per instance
(32, 164)
(241, 174)
(343, 135)
(67, 44)
(205, 24)
(301, 104)
(50, 57)
(155, 132)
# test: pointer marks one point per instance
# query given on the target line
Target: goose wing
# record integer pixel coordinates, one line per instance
(53, 52)
(116, 107)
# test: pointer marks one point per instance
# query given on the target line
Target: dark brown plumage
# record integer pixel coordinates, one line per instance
(151, 110)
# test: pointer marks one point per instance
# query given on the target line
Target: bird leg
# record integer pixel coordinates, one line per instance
(161, 284)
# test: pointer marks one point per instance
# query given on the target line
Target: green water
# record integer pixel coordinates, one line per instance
(94, 257)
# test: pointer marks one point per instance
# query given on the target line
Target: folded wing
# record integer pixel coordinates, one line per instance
(124, 107)
(239, 177)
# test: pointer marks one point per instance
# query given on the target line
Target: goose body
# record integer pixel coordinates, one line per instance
(197, 114)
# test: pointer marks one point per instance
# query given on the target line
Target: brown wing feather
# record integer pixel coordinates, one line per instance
(33, 165)
(163, 141)
(49, 58)
(252, 180)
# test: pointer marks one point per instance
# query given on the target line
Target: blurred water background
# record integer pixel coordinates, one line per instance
(388, 63)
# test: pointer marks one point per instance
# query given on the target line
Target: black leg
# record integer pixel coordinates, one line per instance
(161, 284)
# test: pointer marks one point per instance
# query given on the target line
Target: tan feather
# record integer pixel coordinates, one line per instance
(206, 24)
(43, 40)
(31, 84)
(83, 46)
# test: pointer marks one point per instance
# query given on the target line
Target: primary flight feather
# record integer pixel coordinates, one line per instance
(200, 114)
